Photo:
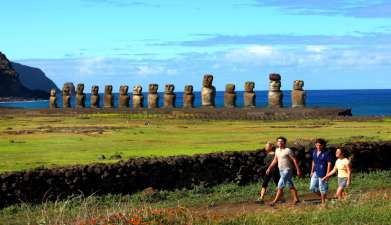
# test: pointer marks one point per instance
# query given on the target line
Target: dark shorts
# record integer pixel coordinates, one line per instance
(275, 175)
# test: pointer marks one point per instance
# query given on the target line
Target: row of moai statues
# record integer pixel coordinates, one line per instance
(275, 95)
(208, 95)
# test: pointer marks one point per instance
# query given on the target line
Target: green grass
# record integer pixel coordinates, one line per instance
(355, 211)
(136, 135)
(359, 208)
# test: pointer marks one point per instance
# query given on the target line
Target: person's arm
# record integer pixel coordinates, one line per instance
(328, 165)
(296, 164)
(312, 168)
(330, 173)
(349, 174)
(274, 162)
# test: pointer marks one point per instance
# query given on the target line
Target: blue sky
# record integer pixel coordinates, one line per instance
(334, 44)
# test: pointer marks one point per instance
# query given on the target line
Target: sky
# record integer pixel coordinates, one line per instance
(334, 44)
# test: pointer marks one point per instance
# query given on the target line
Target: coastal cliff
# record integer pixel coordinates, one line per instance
(33, 78)
(11, 85)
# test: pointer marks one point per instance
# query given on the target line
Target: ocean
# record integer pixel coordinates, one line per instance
(372, 102)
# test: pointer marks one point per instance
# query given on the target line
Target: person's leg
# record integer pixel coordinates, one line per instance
(323, 187)
(278, 195)
(294, 194)
(280, 186)
(276, 178)
(314, 185)
(341, 186)
(292, 187)
(262, 193)
(265, 183)
(339, 193)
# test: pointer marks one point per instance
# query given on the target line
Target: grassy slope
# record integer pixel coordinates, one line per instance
(158, 137)
(359, 208)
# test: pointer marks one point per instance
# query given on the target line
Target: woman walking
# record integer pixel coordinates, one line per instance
(273, 175)
(342, 166)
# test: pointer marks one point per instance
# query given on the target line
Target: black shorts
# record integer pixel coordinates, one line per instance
(275, 175)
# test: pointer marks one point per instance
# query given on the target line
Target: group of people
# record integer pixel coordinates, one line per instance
(281, 162)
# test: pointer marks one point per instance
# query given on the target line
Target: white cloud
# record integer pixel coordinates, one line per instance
(260, 50)
(172, 71)
(233, 64)
(315, 48)
(145, 70)
(250, 55)
(88, 66)
(260, 55)
(309, 56)
(252, 52)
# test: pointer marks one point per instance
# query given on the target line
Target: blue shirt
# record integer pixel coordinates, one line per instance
(320, 161)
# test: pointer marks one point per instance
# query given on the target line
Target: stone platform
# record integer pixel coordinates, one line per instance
(216, 113)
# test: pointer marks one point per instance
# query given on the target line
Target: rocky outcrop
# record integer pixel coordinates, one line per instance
(12, 87)
(33, 78)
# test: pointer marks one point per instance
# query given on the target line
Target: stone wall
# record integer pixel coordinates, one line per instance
(164, 173)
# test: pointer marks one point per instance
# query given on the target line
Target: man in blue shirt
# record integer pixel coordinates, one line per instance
(321, 165)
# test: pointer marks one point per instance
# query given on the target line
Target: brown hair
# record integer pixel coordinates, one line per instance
(282, 138)
(269, 147)
(321, 141)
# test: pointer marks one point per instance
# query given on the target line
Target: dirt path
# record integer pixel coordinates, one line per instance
(226, 210)
(229, 210)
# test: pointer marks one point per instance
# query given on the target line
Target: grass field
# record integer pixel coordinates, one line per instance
(368, 202)
(32, 141)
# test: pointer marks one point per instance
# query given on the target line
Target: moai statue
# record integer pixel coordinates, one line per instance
(249, 94)
(71, 86)
(275, 93)
(298, 94)
(138, 98)
(80, 97)
(66, 96)
(208, 92)
(169, 96)
(230, 96)
(53, 99)
(188, 97)
(109, 97)
(94, 99)
(153, 96)
(124, 98)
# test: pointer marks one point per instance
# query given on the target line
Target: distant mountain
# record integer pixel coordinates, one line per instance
(12, 87)
(33, 78)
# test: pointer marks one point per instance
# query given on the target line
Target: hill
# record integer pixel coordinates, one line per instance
(12, 87)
